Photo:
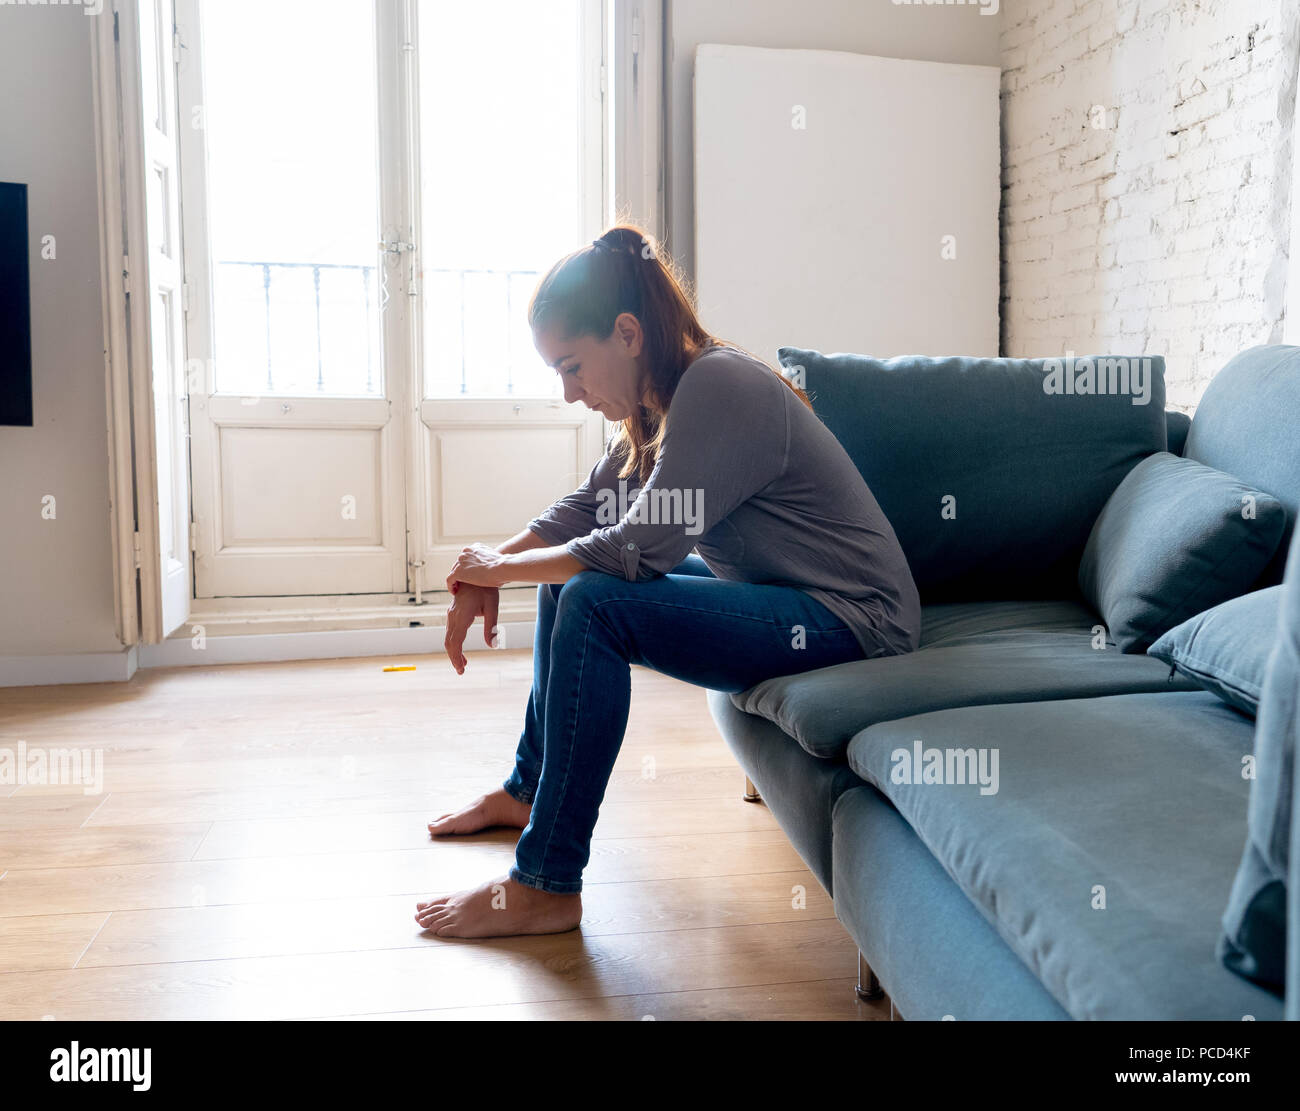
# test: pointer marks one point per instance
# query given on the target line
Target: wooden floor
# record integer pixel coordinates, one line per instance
(259, 844)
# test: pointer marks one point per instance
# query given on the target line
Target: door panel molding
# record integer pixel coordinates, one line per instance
(513, 459)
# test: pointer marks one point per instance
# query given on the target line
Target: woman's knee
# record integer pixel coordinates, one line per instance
(588, 587)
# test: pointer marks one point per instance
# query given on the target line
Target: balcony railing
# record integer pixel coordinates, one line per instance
(475, 334)
(448, 300)
(364, 276)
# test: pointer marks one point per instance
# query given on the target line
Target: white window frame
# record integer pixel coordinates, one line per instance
(637, 120)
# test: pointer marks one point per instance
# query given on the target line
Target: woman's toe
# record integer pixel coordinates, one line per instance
(438, 921)
(437, 901)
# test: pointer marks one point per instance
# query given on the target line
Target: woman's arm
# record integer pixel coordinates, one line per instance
(526, 562)
(468, 606)
(521, 542)
(524, 558)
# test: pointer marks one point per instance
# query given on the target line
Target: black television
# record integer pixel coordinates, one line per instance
(15, 308)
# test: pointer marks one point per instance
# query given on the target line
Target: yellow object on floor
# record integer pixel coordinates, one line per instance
(412, 668)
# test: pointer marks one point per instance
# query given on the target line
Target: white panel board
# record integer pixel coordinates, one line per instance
(516, 468)
(826, 184)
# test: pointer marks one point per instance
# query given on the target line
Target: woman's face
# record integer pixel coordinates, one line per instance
(601, 373)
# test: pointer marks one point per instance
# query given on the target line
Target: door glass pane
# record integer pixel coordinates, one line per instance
(501, 185)
(291, 123)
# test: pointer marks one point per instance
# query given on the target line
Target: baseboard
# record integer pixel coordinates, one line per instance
(118, 667)
(333, 644)
(83, 667)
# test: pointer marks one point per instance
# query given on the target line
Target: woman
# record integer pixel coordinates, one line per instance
(800, 568)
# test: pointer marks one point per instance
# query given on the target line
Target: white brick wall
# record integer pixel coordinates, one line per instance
(1166, 231)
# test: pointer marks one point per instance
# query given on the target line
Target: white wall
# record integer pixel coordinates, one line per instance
(851, 258)
(56, 577)
(926, 33)
(1165, 231)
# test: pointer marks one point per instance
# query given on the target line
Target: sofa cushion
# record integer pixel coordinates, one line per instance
(798, 791)
(1254, 943)
(990, 481)
(1175, 538)
(1245, 425)
(1176, 427)
(934, 952)
(971, 653)
(1104, 855)
(1226, 648)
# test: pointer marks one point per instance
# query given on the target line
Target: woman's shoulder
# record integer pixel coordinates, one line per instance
(724, 370)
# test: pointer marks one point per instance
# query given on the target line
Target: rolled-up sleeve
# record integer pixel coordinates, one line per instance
(725, 440)
(576, 514)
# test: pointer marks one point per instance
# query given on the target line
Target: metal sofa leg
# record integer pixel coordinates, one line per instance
(751, 792)
(868, 986)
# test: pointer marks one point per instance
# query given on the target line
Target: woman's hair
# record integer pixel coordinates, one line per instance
(626, 271)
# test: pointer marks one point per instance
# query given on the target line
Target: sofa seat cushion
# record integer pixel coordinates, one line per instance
(971, 654)
(1106, 852)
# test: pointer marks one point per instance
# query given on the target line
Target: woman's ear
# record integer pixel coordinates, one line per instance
(628, 329)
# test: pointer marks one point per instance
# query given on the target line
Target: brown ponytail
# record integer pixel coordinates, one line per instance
(626, 271)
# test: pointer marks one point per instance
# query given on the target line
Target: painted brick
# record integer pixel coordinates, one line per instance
(1166, 232)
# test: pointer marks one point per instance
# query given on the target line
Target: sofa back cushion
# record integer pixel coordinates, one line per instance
(1226, 648)
(990, 472)
(1246, 424)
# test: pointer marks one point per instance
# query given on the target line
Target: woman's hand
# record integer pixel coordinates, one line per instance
(470, 603)
(478, 565)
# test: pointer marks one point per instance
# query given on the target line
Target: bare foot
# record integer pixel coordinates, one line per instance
(496, 808)
(500, 908)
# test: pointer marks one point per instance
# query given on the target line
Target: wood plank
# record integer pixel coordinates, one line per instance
(92, 846)
(406, 771)
(46, 941)
(408, 830)
(440, 866)
(341, 925)
(439, 974)
(47, 812)
(818, 1001)
(400, 799)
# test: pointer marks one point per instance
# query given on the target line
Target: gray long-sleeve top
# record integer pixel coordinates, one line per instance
(750, 477)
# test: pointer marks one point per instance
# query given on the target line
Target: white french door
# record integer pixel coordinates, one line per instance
(153, 300)
(371, 190)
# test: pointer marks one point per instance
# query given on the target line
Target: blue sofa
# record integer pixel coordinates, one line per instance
(1092, 882)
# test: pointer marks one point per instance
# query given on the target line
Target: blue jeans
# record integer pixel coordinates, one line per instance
(711, 632)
